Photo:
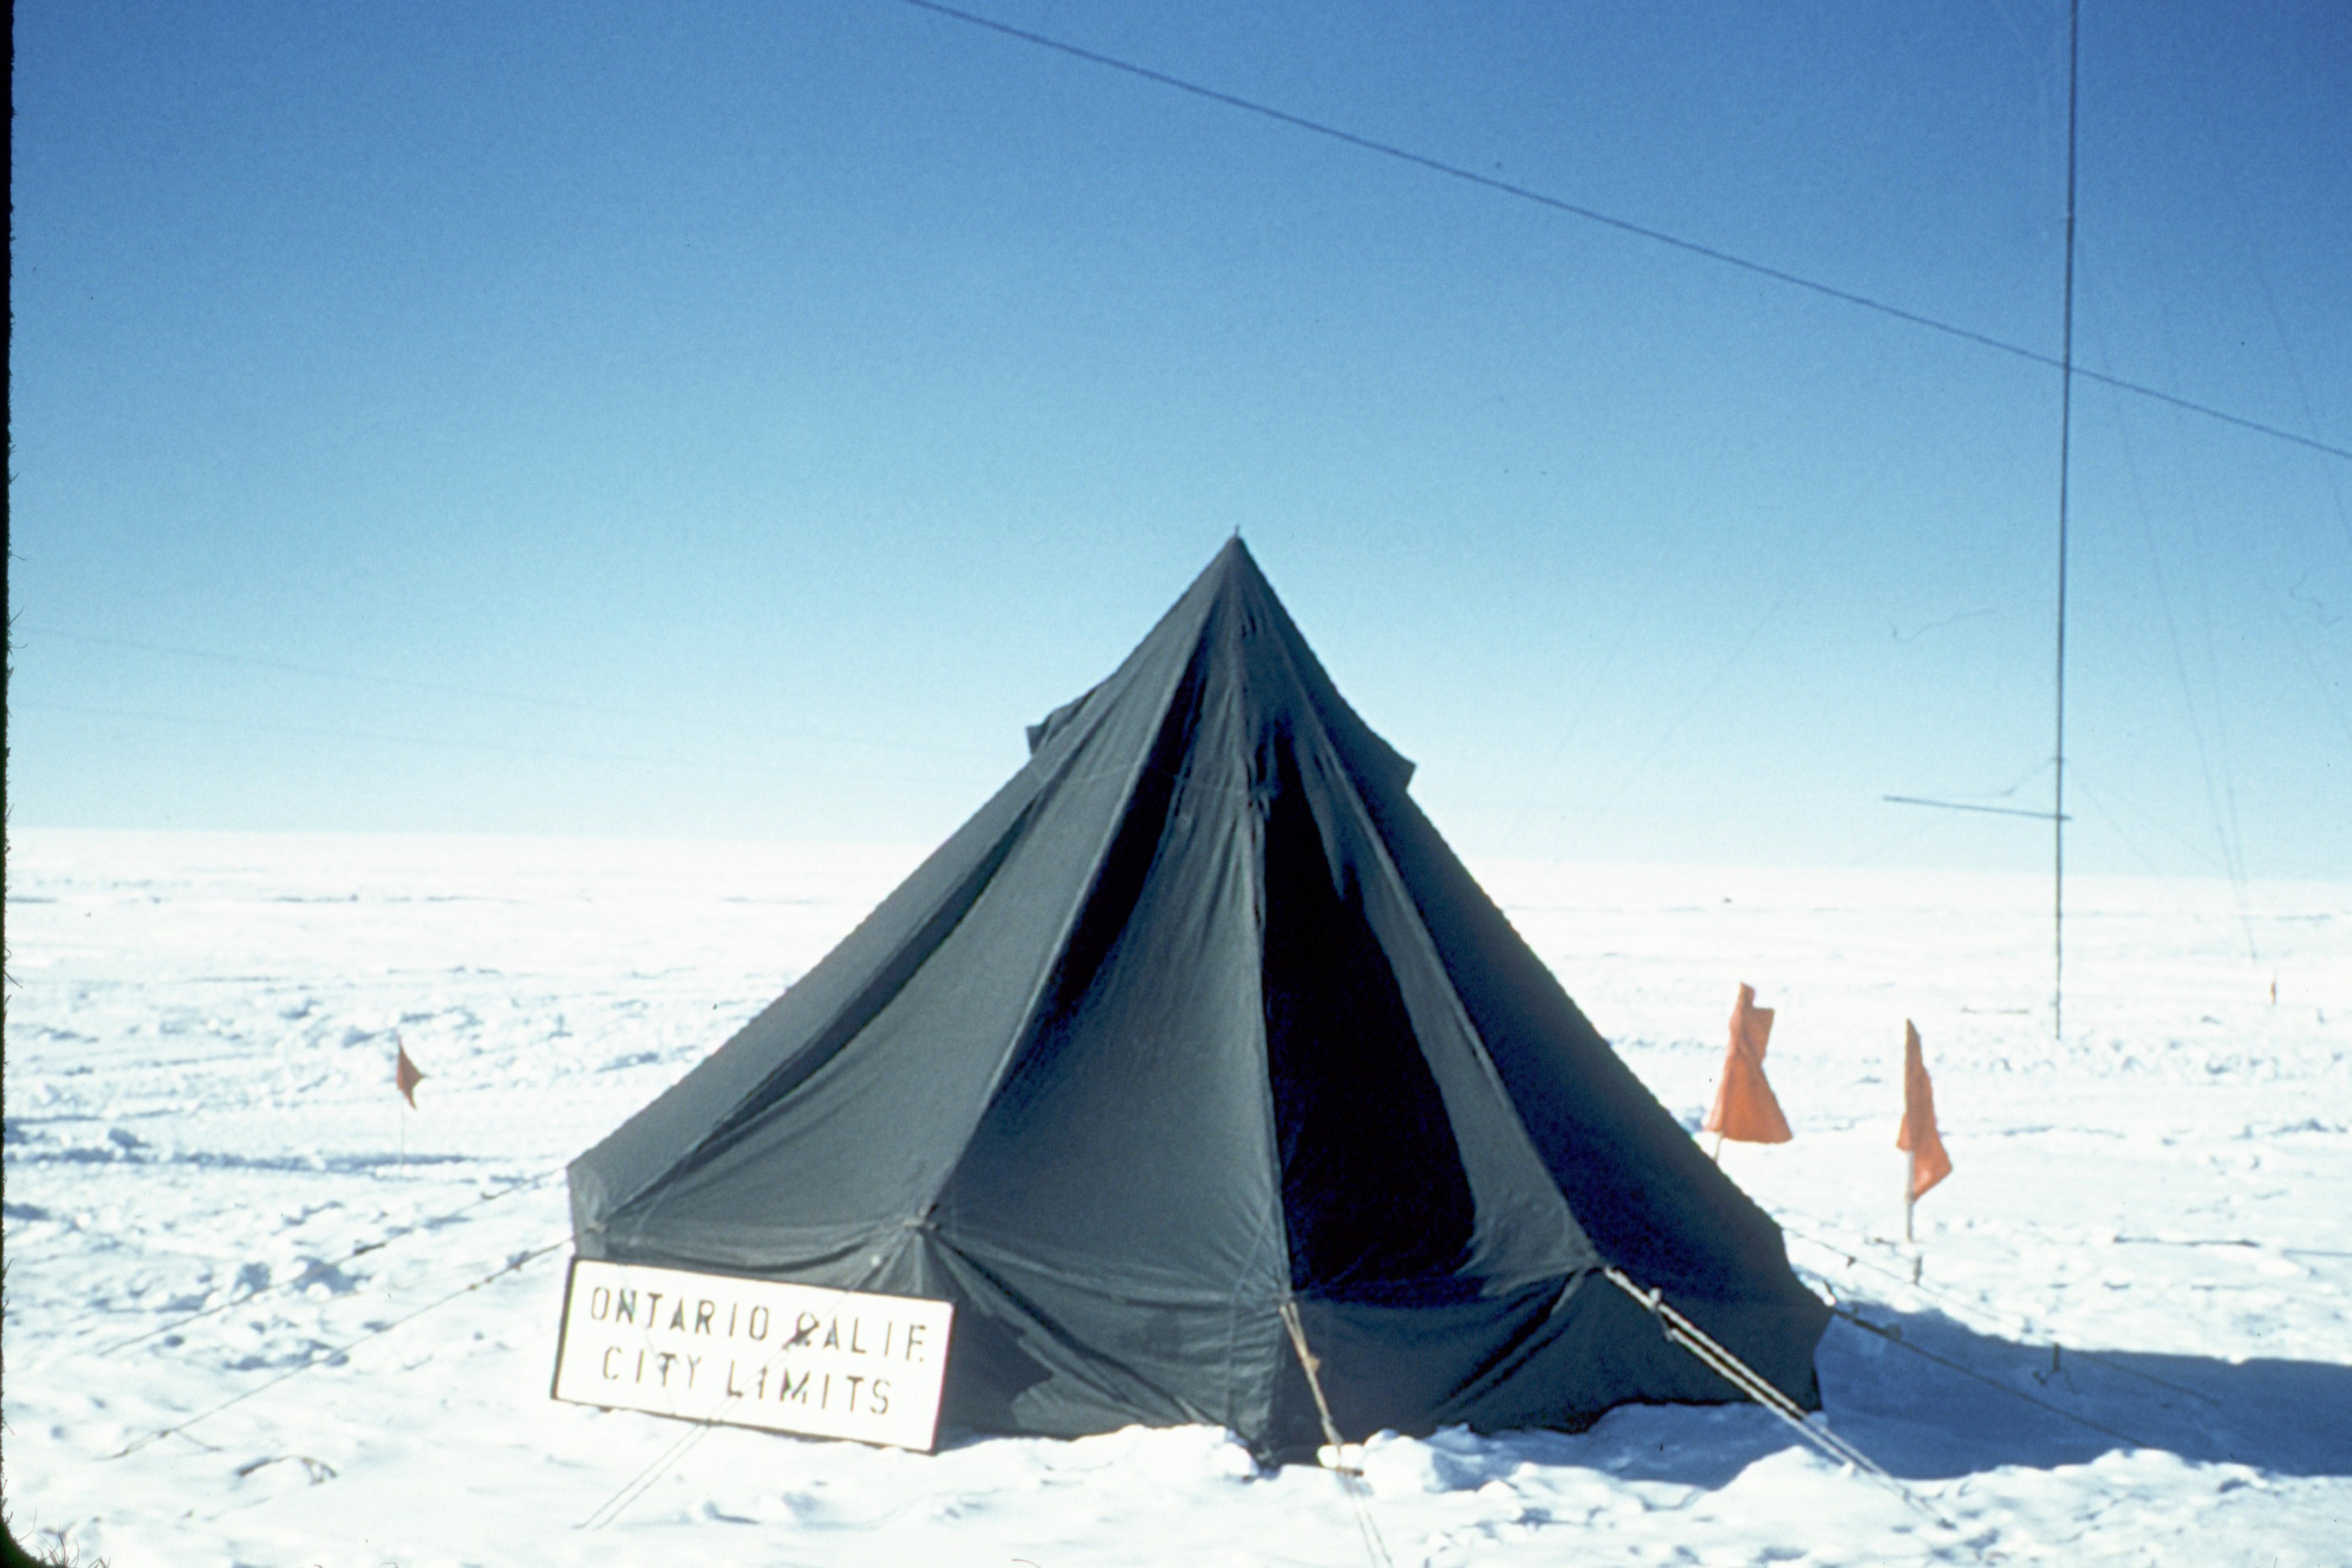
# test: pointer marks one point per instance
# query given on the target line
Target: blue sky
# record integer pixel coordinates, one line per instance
(739, 421)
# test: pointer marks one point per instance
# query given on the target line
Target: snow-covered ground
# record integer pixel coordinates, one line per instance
(2125, 1332)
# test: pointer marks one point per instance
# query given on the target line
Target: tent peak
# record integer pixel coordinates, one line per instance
(1233, 557)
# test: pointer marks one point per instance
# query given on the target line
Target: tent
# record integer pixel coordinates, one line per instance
(1197, 1018)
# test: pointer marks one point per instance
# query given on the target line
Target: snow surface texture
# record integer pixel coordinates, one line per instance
(2129, 1339)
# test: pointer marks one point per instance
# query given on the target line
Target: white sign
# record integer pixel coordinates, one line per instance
(753, 1352)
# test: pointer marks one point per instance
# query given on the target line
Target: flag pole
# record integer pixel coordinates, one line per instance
(1918, 1136)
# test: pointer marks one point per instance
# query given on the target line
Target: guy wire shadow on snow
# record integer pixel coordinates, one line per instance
(1925, 1420)
(1702, 1445)
(1968, 1402)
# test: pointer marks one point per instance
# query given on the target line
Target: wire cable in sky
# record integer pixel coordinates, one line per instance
(1964, 805)
(734, 726)
(1590, 214)
(793, 769)
(2263, 281)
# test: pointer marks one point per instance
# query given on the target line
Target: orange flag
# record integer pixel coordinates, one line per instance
(1745, 1108)
(405, 1078)
(1929, 1164)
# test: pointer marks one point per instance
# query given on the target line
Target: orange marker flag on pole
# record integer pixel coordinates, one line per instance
(405, 1078)
(1745, 1108)
(1929, 1164)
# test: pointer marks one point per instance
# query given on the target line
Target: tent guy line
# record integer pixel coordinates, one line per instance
(1947, 1300)
(637, 1485)
(1350, 1477)
(320, 1267)
(335, 1352)
(1737, 1373)
(1893, 1338)
(1591, 215)
(2229, 1241)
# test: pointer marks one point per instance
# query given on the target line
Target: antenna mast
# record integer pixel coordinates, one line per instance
(2065, 444)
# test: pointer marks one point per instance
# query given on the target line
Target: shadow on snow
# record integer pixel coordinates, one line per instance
(1922, 1418)
(1972, 1409)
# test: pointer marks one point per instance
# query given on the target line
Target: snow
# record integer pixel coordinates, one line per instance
(2125, 1329)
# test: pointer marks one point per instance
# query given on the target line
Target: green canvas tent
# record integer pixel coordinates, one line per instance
(1196, 1018)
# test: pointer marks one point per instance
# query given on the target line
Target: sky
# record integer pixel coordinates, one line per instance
(739, 422)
